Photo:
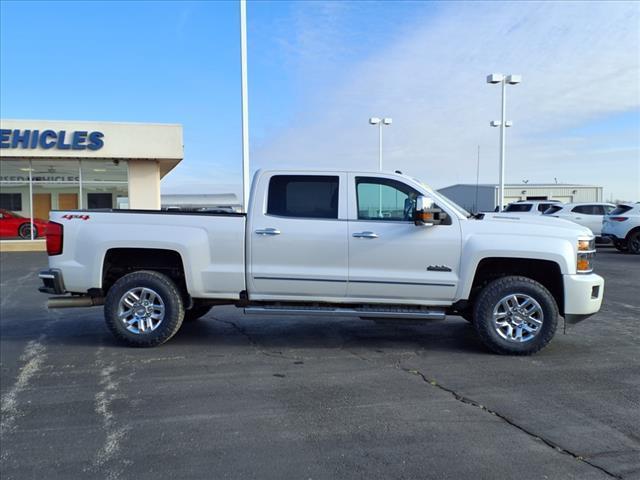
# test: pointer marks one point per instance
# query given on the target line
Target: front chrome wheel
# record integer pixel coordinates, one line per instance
(141, 310)
(518, 318)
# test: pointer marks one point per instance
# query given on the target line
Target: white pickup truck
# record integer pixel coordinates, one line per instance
(371, 245)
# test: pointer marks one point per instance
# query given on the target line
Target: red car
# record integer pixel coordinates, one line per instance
(13, 225)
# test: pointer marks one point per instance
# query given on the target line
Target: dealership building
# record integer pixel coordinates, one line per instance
(485, 197)
(62, 165)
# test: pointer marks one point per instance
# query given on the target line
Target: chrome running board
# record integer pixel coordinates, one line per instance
(368, 312)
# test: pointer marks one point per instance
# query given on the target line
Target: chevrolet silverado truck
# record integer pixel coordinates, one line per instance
(377, 246)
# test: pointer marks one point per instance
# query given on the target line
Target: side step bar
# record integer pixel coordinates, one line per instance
(400, 313)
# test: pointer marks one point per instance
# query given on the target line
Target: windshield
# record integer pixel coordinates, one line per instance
(11, 214)
(552, 210)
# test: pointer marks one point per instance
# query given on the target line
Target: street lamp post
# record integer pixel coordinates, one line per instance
(495, 78)
(244, 89)
(380, 122)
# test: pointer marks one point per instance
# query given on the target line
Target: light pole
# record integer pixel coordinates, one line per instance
(380, 122)
(495, 78)
(245, 105)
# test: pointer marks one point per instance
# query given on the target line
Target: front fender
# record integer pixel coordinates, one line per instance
(480, 247)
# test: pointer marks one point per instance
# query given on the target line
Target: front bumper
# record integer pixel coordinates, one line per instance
(52, 282)
(582, 296)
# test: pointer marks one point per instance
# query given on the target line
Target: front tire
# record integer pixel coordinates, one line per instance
(144, 309)
(515, 316)
(24, 231)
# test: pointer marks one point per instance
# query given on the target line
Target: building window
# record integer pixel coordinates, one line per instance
(11, 201)
(99, 200)
(30, 189)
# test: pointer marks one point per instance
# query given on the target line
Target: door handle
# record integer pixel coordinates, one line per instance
(365, 235)
(268, 231)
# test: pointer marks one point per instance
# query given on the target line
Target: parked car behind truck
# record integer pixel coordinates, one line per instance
(588, 215)
(370, 245)
(622, 226)
(13, 225)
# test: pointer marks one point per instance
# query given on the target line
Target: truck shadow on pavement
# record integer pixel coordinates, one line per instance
(87, 328)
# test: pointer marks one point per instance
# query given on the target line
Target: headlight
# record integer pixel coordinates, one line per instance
(586, 245)
(586, 252)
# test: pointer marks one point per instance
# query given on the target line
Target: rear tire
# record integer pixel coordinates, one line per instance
(633, 243)
(144, 309)
(515, 316)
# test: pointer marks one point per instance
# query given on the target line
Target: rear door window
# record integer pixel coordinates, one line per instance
(303, 196)
(518, 207)
(587, 210)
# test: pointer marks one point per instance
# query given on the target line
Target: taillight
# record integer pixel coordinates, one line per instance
(618, 219)
(54, 238)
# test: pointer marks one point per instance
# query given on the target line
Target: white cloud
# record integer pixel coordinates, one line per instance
(580, 62)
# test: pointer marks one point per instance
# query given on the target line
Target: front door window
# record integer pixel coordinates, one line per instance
(384, 199)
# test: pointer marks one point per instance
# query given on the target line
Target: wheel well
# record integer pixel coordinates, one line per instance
(545, 272)
(121, 261)
(631, 232)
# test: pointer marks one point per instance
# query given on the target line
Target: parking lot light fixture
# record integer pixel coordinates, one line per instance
(380, 122)
(497, 123)
(503, 80)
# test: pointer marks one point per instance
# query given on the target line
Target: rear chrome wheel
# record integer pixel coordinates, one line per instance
(144, 308)
(141, 310)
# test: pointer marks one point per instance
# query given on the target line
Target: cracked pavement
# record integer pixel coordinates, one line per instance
(234, 396)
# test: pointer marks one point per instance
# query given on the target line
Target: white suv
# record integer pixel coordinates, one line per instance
(622, 226)
(535, 207)
(588, 215)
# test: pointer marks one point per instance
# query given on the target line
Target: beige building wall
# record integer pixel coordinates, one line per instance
(144, 184)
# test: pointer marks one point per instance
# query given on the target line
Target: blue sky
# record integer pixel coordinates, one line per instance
(317, 70)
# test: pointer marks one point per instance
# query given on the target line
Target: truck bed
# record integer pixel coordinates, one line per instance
(211, 246)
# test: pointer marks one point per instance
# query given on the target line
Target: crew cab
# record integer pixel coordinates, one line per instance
(378, 246)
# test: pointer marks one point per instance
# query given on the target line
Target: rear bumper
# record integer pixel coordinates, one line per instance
(582, 296)
(52, 282)
(610, 236)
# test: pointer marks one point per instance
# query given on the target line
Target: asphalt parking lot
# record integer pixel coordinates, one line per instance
(315, 398)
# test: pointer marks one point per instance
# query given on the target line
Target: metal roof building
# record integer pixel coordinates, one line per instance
(484, 197)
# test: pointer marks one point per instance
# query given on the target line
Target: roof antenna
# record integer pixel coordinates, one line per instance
(475, 205)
